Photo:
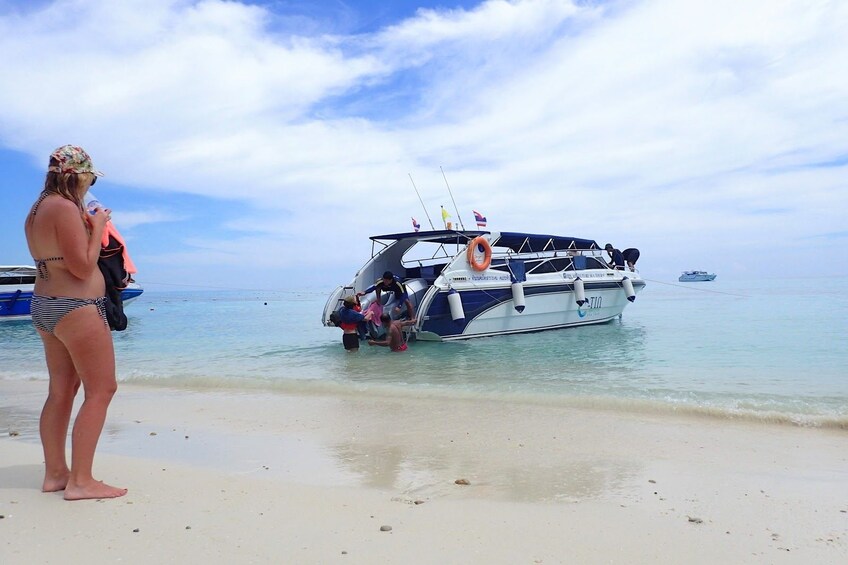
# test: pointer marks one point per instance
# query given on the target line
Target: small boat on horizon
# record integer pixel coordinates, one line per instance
(694, 276)
(471, 283)
(16, 286)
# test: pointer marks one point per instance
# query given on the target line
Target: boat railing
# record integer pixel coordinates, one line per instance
(542, 262)
(334, 302)
(536, 262)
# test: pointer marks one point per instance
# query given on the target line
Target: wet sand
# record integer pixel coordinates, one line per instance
(228, 477)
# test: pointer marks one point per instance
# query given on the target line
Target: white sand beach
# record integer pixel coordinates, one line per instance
(227, 477)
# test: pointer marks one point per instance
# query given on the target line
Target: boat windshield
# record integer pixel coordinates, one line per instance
(17, 275)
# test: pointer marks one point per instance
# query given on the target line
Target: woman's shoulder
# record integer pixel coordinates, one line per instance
(58, 208)
(57, 202)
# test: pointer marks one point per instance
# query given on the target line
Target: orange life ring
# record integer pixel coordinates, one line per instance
(487, 253)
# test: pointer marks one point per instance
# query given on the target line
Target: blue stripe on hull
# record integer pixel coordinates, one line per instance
(477, 302)
(14, 303)
(130, 293)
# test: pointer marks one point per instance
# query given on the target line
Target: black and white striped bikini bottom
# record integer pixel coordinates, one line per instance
(47, 311)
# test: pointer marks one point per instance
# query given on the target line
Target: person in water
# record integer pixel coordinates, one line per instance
(68, 311)
(616, 258)
(350, 318)
(394, 336)
(390, 283)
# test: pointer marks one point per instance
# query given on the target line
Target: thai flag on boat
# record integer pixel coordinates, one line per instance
(481, 219)
(415, 225)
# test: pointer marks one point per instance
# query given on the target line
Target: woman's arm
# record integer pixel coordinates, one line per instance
(80, 249)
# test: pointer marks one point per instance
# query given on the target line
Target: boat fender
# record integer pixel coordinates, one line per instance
(628, 289)
(478, 247)
(579, 292)
(455, 303)
(518, 297)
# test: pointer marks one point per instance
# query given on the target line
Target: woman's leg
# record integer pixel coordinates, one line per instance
(56, 414)
(89, 343)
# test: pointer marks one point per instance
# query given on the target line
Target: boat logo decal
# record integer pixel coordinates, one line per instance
(489, 277)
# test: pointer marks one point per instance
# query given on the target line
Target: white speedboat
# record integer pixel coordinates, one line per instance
(16, 286)
(466, 284)
(694, 276)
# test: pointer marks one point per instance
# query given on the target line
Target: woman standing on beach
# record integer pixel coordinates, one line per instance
(68, 310)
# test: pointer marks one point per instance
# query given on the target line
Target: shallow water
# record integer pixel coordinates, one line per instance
(769, 350)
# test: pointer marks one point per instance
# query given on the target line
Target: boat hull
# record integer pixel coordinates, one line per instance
(696, 278)
(492, 312)
(15, 303)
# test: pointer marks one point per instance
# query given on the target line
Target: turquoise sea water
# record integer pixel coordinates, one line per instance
(771, 350)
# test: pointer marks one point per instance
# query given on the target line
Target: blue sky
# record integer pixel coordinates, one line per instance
(258, 144)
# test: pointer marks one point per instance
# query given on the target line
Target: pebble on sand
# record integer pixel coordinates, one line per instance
(462, 482)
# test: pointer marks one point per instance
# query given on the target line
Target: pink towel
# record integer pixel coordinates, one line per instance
(376, 310)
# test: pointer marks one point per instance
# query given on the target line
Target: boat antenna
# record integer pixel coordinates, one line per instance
(458, 217)
(432, 227)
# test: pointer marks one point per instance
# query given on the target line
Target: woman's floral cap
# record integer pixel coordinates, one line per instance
(72, 159)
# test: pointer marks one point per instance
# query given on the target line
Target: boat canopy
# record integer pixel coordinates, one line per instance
(516, 241)
(533, 242)
(435, 236)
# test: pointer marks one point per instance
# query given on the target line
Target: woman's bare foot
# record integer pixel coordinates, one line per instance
(54, 482)
(94, 489)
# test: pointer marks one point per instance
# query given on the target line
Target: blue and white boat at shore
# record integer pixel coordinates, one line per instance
(695, 276)
(466, 284)
(16, 286)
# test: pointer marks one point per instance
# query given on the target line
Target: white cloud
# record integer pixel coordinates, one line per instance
(129, 219)
(647, 121)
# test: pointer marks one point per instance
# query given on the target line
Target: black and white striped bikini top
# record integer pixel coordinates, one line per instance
(41, 264)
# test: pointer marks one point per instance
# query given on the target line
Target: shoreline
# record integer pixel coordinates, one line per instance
(835, 418)
(281, 477)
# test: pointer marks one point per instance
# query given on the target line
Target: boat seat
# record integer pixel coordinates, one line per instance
(427, 272)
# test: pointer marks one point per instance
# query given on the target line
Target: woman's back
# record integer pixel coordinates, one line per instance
(58, 240)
